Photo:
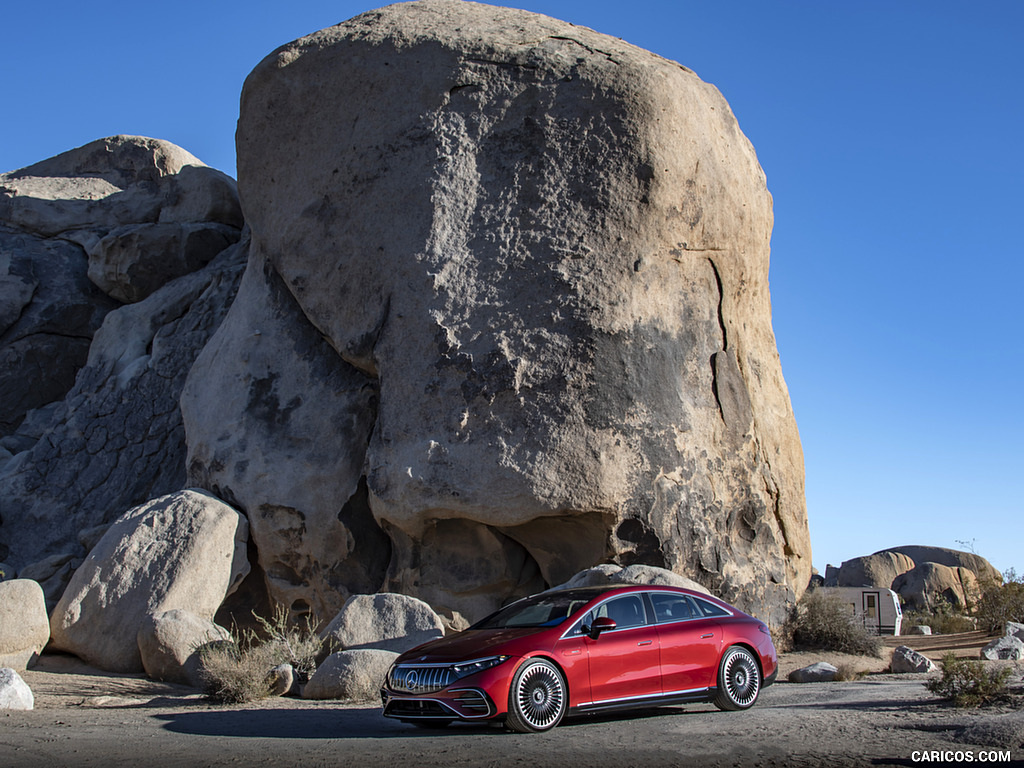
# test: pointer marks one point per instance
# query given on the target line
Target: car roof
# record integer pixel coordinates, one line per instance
(609, 589)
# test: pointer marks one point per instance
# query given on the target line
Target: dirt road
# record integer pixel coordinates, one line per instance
(106, 721)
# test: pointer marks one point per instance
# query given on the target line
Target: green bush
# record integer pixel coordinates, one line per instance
(238, 670)
(822, 621)
(967, 682)
(1001, 603)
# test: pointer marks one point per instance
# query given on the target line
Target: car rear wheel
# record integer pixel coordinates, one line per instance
(739, 680)
(537, 699)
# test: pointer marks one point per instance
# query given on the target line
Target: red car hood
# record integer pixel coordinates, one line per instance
(471, 644)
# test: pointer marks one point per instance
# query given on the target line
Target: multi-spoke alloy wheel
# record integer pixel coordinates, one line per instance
(537, 699)
(739, 680)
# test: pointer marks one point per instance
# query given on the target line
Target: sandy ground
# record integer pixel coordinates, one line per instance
(87, 718)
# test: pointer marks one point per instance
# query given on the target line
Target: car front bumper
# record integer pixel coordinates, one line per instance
(462, 703)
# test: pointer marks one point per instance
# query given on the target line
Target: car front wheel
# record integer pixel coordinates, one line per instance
(739, 680)
(537, 699)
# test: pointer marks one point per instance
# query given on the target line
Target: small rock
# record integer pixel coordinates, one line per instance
(354, 675)
(1007, 647)
(820, 672)
(906, 660)
(919, 629)
(282, 680)
(14, 693)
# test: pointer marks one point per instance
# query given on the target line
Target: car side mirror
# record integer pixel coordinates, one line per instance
(601, 624)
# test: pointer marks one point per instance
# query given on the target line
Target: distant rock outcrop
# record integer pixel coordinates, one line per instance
(952, 558)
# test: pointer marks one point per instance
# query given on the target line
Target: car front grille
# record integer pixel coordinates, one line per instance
(421, 679)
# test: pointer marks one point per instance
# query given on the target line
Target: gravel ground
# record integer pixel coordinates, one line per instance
(87, 718)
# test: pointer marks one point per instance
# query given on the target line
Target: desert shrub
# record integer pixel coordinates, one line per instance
(295, 644)
(235, 673)
(238, 670)
(943, 620)
(847, 672)
(822, 621)
(967, 682)
(1000, 603)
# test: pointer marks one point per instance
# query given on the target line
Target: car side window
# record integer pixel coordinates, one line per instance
(709, 609)
(672, 607)
(625, 611)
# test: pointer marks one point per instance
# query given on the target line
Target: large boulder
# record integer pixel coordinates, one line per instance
(384, 622)
(24, 625)
(169, 643)
(877, 570)
(353, 675)
(546, 251)
(928, 585)
(186, 550)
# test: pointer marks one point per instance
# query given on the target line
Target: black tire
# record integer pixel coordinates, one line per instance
(538, 697)
(739, 680)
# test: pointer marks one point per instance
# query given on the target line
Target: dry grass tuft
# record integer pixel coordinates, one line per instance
(238, 670)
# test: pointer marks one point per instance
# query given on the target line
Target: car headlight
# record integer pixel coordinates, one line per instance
(477, 665)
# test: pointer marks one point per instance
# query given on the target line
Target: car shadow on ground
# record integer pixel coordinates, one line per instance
(349, 723)
(304, 723)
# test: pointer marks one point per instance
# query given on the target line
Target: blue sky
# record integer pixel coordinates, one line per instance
(892, 135)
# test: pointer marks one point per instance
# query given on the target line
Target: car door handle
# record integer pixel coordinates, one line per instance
(645, 642)
(709, 634)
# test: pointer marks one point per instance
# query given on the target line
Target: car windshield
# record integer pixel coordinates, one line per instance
(545, 610)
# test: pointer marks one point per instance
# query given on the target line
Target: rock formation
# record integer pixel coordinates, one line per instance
(534, 260)
(113, 428)
(504, 317)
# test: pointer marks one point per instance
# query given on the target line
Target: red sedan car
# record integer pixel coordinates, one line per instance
(576, 651)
